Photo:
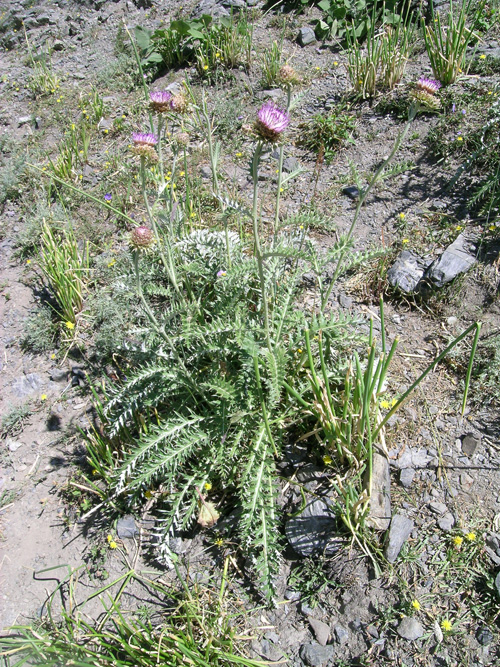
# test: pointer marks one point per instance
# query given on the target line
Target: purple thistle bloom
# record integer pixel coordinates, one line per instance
(144, 139)
(428, 85)
(108, 196)
(160, 100)
(271, 121)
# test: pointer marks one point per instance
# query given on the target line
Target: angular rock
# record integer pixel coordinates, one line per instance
(341, 634)
(14, 445)
(314, 530)
(470, 443)
(380, 501)
(407, 271)
(306, 36)
(399, 532)
(438, 507)
(484, 635)
(126, 527)
(446, 522)
(315, 655)
(410, 628)
(321, 630)
(456, 259)
(351, 191)
(59, 374)
(406, 477)
(26, 385)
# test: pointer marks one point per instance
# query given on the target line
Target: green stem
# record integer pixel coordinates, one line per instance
(469, 368)
(362, 198)
(257, 246)
(160, 146)
(263, 404)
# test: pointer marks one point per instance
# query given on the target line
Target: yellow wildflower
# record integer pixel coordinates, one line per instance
(205, 67)
(208, 486)
(43, 397)
(482, 57)
(457, 541)
(110, 538)
(327, 460)
(405, 241)
(113, 545)
(401, 216)
(384, 404)
(446, 625)
(70, 325)
(471, 537)
(416, 605)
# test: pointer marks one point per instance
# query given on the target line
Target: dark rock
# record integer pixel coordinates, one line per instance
(313, 530)
(341, 634)
(406, 477)
(316, 655)
(126, 527)
(470, 443)
(58, 45)
(269, 651)
(211, 7)
(321, 630)
(399, 532)
(306, 36)
(351, 191)
(410, 628)
(456, 259)
(407, 271)
(484, 635)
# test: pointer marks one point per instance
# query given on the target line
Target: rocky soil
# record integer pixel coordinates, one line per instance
(444, 467)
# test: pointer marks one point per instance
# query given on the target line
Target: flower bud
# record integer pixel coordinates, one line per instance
(141, 238)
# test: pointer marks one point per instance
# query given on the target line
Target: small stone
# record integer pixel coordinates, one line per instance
(351, 191)
(13, 445)
(126, 527)
(456, 259)
(399, 532)
(437, 507)
(410, 628)
(470, 443)
(341, 634)
(23, 120)
(466, 480)
(306, 36)
(314, 530)
(206, 172)
(316, 655)
(446, 522)
(407, 271)
(59, 375)
(406, 477)
(291, 164)
(321, 630)
(292, 596)
(380, 501)
(484, 635)
(452, 321)
(58, 45)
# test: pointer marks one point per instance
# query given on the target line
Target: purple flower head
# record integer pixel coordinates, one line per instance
(141, 238)
(144, 139)
(453, 108)
(160, 100)
(221, 274)
(271, 121)
(108, 196)
(430, 86)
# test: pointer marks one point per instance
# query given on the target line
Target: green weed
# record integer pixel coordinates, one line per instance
(324, 134)
(14, 420)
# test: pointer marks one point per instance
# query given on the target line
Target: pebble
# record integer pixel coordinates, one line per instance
(446, 522)
(341, 634)
(410, 628)
(306, 36)
(470, 443)
(351, 191)
(316, 655)
(321, 630)
(438, 507)
(399, 532)
(406, 477)
(484, 635)
(14, 445)
(126, 527)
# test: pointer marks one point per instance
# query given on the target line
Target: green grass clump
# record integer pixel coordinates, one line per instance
(325, 133)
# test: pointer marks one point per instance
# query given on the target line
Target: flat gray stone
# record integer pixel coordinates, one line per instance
(341, 634)
(407, 271)
(27, 384)
(321, 630)
(410, 628)
(438, 507)
(470, 443)
(316, 655)
(446, 522)
(126, 527)
(315, 530)
(59, 374)
(306, 36)
(456, 259)
(406, 477)
(351, 191)
(399, 532)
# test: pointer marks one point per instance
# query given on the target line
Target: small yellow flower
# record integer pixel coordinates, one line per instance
(458, 228)
(460, 138)
(70, 325)
(217, 55)
(405, 241)
(149, 494)
(384, 404)
(416, 605)
(95, 472)
(471, 537)
(239, 154)
(193, 215)
(110, 538)
(490, 92)
(301, 227)
(335, 64)
(208, 486)
(28, 262)
(299, 351)
(219, 542)
(113, 545)
(281, 189)
(482, 57)
(112, 263)
(327, 460)
(492, 228)
(205, 67)
(53, 356)
(182, 173)
(393, 402)
(43, 397)
(446, 625)
(174, 186)
(401, 216)
(457, 541)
